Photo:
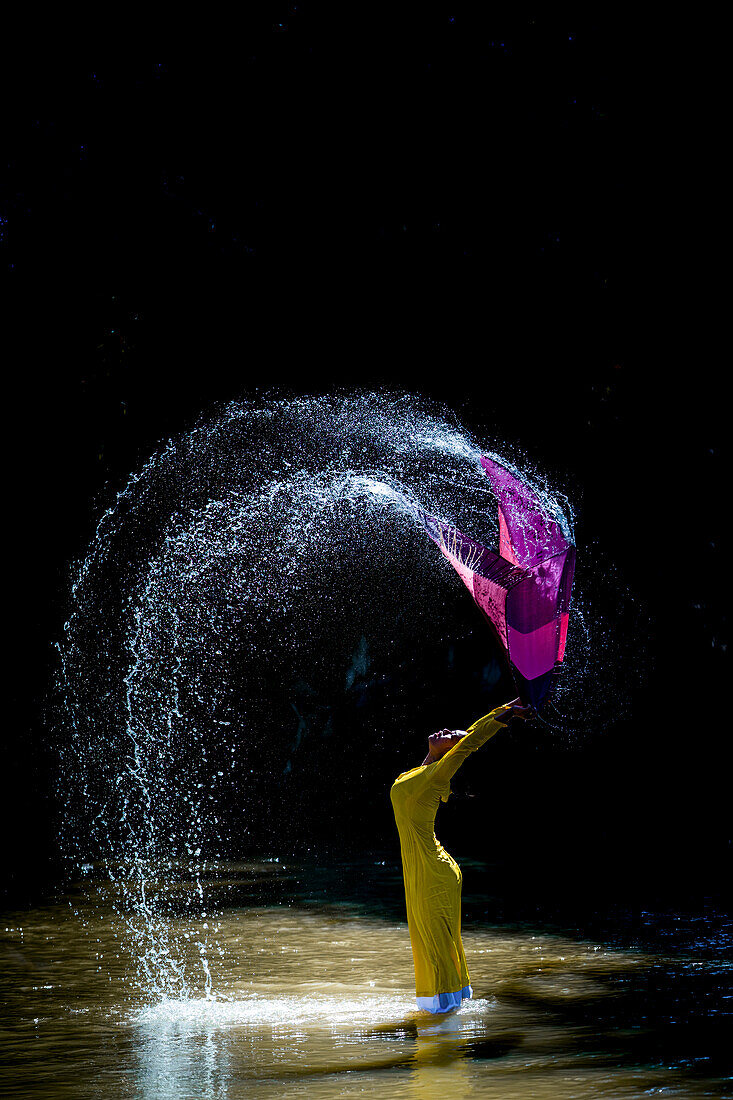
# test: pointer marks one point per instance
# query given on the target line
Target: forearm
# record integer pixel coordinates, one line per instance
(476, 736)
(498, 717)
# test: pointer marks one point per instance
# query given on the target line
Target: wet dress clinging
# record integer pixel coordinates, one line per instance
(432, 877)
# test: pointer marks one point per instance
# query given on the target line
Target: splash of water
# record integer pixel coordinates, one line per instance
(276, 536)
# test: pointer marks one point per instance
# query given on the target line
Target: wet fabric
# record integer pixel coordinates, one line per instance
(523, 589)
(432, 877)
(445, 1002)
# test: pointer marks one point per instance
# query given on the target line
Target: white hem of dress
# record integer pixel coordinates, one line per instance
(445, 1002)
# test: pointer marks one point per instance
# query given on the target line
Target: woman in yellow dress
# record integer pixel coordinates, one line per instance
(432, 877)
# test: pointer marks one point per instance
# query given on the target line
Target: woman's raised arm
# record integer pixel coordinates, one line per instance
(476, 736)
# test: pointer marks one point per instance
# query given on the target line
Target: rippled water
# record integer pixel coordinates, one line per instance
(311, 995)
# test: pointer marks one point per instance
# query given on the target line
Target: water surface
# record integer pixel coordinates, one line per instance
(300, 983)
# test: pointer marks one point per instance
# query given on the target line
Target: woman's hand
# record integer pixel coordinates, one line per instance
(518, 709)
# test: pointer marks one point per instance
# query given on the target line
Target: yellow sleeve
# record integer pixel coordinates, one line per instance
(476, 736)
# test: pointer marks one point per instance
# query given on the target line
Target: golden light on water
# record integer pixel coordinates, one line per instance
(317, 1000)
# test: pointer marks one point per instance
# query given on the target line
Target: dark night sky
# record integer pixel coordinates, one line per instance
(491, 215)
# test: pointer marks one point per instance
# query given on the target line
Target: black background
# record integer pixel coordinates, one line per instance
(499, 216)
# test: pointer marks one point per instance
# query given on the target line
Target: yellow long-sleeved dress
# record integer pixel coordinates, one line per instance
(432, 877)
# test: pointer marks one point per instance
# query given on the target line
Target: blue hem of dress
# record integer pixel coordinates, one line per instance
(445, 1002)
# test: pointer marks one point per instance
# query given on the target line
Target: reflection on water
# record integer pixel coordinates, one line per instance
(311, 995)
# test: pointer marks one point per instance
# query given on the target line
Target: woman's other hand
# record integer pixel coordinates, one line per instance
(518, 709)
